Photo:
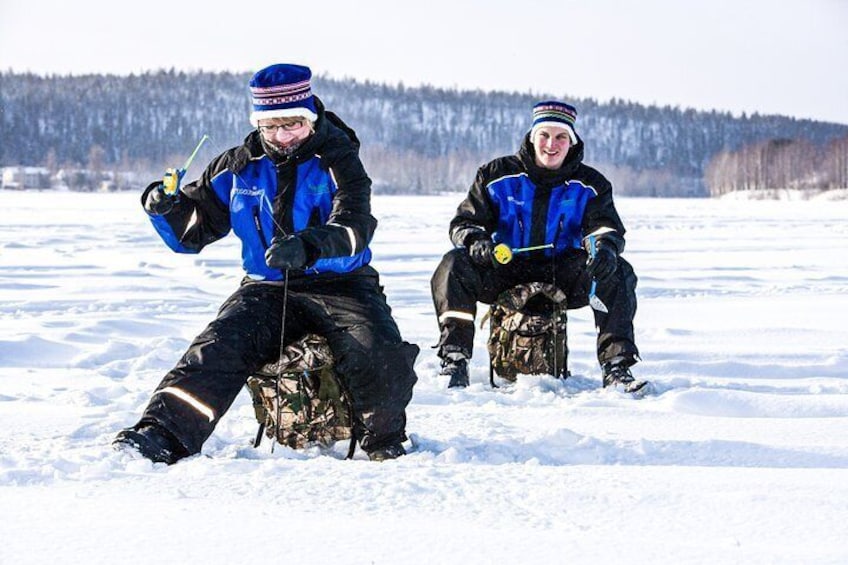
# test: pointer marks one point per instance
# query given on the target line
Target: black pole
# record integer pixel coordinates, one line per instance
(280, 360)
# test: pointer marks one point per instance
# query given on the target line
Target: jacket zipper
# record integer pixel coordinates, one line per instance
(522, 243)
(258, 225)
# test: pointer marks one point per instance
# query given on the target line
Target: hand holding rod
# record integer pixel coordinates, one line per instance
(172, 178)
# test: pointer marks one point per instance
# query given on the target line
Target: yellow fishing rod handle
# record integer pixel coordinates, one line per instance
(171, 181)
(502, 253)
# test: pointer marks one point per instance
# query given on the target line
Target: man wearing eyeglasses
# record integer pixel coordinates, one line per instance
(297, 195)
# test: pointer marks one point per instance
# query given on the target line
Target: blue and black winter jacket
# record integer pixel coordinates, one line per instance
(321, 193)
(515, 202)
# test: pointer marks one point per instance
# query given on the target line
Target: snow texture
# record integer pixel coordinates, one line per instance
(741, 455)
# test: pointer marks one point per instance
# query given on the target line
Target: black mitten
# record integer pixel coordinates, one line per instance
(602, 266)
(286, 252)
(157, 202)
(481, 251)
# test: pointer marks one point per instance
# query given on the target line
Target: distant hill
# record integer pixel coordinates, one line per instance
(415, 140)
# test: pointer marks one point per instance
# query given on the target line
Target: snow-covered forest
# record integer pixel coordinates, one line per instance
(415, 140)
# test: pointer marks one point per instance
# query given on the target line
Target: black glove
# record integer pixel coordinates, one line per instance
(605, 262)
(157, 202)
(481, 251)
(286, 252)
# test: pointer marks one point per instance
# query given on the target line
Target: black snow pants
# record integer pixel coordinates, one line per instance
(370, 357)
(458, 284)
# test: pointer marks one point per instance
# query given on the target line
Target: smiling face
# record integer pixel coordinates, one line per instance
(551, 145)
(285, 132)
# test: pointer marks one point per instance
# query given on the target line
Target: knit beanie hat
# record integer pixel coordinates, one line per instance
(554, 113)
(282, 91)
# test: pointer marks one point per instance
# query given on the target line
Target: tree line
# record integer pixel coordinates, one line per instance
(779, 164)
(414, 140)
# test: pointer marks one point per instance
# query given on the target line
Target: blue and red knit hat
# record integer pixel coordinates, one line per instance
(554, 113)
(282, 91)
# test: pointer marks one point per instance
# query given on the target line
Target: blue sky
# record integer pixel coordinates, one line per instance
(761, 56)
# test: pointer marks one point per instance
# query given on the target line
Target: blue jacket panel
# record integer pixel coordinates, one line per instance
(166, 232)
(320, 192)
(568, 204)
(513, 198)
(518, 203)
(250, 194)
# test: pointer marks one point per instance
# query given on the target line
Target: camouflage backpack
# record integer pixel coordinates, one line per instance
(312, 405)
(527, 332)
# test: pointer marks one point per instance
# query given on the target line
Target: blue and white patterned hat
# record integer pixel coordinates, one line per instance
(554, 113)
(282, 91)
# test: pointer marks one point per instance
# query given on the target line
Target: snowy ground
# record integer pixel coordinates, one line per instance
(740, 457)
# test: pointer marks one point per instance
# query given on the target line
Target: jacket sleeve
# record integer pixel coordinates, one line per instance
(601, 219)
(476, 216)
(198, 217)
(350, 225)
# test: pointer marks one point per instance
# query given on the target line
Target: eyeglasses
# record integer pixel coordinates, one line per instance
(272, 129)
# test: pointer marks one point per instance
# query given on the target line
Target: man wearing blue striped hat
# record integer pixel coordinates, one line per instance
(545, 202)
(298, 197)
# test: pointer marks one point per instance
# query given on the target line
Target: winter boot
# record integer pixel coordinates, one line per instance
(153, 442)
(617, 375)
(392, 451)
(457, 370)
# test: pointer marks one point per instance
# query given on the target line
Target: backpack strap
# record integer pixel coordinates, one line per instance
(486, 316)
(351, 448)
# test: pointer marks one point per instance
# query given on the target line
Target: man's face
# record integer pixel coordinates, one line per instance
(551, 144)
(284, 132)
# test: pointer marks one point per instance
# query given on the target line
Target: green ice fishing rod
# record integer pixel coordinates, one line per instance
(172, 178)
(503, 254)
